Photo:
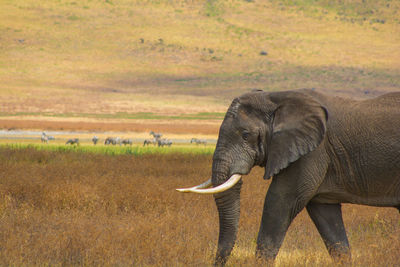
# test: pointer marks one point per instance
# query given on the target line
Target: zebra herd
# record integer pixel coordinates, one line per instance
(155, 141)
(199, 141)
(117, 141)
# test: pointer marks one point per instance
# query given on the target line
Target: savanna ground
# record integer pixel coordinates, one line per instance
(70, 208)
(171, 66)
(184, 60)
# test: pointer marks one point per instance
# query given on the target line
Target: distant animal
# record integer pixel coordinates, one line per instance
(198, 141)
(49, 137)
(74, 141)
(118, 141)
(164, 142)
(156, 135)
(95, 139)
(44, 138)
(110, 141)
(126, 142)
(149, 141)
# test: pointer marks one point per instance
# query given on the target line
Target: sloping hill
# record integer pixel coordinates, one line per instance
(182, 56)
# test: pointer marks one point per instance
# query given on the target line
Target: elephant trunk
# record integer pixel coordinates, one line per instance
(228, 205)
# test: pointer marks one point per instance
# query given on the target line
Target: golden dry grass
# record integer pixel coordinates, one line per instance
(174, 57)
(69, 209)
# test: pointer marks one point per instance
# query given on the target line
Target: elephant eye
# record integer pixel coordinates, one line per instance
(245, 135)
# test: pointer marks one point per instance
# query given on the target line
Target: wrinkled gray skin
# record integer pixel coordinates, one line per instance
(320, 150)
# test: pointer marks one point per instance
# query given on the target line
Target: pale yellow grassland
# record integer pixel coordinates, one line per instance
(85, 56)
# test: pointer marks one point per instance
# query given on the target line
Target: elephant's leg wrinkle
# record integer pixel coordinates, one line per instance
(328, 220)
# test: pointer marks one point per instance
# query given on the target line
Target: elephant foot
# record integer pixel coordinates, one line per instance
(266, 255)
(340, 254)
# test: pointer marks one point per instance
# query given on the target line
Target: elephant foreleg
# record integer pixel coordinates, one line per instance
(279, 211)
(328, 220)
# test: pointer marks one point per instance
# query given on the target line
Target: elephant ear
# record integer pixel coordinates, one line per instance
(298, 127)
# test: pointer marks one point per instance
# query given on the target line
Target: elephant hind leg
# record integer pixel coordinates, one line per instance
(328, 220)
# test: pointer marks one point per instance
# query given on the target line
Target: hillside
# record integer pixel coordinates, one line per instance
(100, 59)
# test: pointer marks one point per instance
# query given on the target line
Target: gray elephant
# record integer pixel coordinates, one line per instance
(320, 150)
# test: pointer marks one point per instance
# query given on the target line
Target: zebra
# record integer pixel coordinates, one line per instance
(74, 141)
(44, 138)
(198, 141)
(149, 141)
(95, 139)
(118, 141)
(111, 140)
(164, 142)
(126, 142)
(156, 135)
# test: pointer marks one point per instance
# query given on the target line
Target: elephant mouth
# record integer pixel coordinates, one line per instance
(204, 187)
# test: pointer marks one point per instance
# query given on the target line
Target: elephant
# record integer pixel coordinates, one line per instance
(319, 150)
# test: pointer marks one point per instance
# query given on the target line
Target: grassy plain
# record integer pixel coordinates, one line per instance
(83, 209)
(135, 150)
(178, 59)
(171, 66)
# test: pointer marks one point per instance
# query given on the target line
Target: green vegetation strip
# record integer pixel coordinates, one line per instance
(116, 150)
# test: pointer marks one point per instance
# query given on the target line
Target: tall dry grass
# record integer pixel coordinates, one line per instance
(69, 209)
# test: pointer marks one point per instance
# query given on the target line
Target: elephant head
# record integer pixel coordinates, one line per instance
(271, 130)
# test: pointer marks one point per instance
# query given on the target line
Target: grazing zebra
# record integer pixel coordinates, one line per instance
(110, 140)
(95, 139)
(126, 142)
(164, 142)
(74, 141)
(156, 135)
(44, 138)
(149, 141)
(198, 141)
(118, 140)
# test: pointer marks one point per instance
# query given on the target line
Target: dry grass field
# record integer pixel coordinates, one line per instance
(84, 209)
(144, 126)
(171, 66)
(162, 57)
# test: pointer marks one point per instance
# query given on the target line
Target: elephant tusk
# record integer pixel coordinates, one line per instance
(206, 184)
(221, 188)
